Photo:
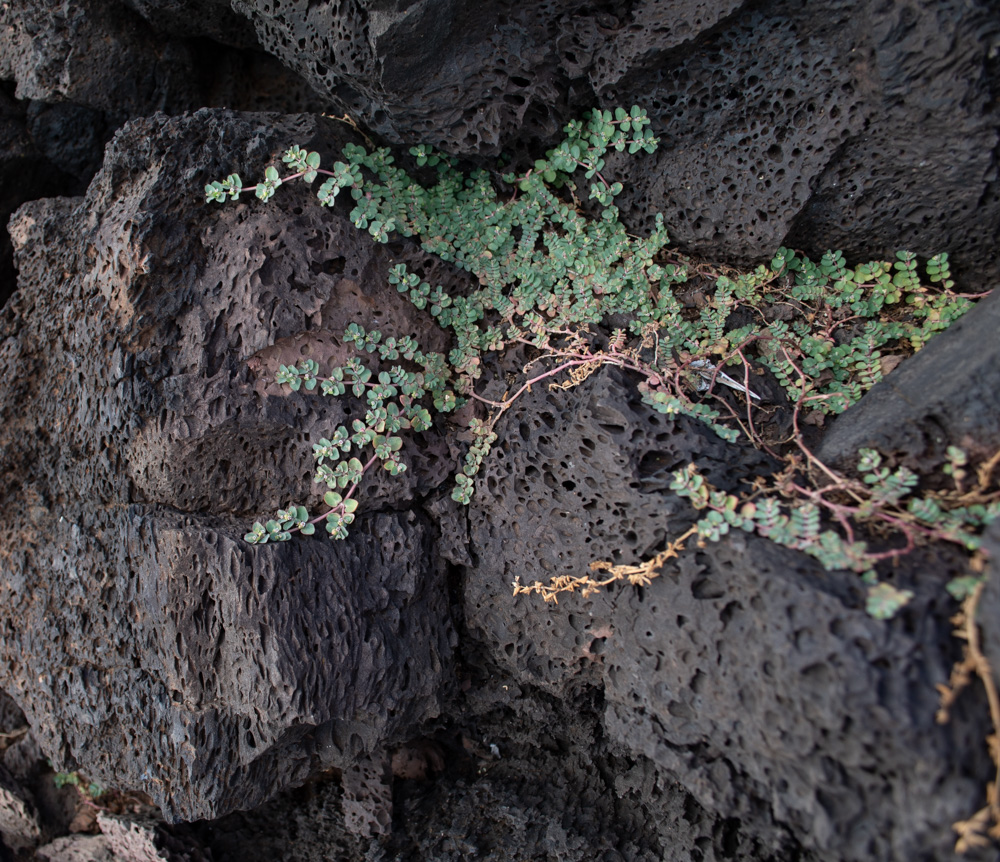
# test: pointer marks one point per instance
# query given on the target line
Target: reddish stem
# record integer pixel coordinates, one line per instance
(347, 497)
(289, 178)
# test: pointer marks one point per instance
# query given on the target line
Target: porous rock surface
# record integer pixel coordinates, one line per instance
(849, 124)
(741, 706)
(139, 839)
(744, 668)
(130, 59)
(146, 642)
(25, 173)
(153, 649)
(124, 839)
(77, 848)
(19, 823)
(72, 73)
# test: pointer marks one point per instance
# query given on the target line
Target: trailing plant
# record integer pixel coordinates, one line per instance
(549, 268)
(394, 401)
(553, 270)
(983, 827)
(793, 513)
(790, 514)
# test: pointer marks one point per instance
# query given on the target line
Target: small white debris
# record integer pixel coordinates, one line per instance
(706, 370)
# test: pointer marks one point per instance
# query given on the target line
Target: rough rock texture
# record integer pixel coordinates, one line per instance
(96, 54)
(367, 801)
(555, 788)
(18, 749)
(73, 72)
(744, 669)
(742, 706)
(154, 650)
(19, 824)
(77, 848)
(577, 477)
(147, 643)
(137, 839)
(831, 125)
(125, 839)
(25, 174)
(842, 123)
(106, 57)
(212, 19)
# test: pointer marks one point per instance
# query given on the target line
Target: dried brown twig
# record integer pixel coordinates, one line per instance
(984, 825)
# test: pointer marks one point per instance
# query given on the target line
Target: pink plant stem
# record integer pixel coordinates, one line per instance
(350, 494)
(838, 479)
(841, 513)
(746, 386)
(507, 402)
(289, 178)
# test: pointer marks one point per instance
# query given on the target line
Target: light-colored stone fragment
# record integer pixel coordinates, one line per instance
(78, 848)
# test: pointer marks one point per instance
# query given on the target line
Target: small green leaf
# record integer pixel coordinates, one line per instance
(214, 192)
(962, 587)
(884, 600)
